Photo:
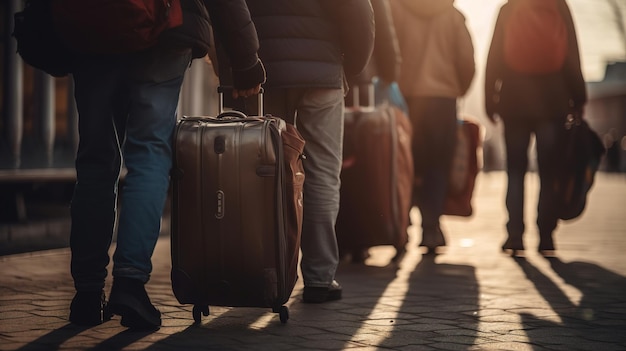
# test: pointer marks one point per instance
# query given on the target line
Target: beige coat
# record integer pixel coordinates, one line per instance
(436, 48)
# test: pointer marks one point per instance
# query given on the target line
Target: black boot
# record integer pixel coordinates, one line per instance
(130, 300)
(514, 245)
(89, 308)
(546, 245)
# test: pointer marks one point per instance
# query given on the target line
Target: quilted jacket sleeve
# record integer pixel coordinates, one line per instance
(236, 32)
(354, 19)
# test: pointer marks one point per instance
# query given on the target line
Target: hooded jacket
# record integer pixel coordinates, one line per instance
(551, 95)
(436, 48)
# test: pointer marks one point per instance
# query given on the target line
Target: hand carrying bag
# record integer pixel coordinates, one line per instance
(582, 152)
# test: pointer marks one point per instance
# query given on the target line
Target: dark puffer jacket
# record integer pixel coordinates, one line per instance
(310, 43)
(233, 26)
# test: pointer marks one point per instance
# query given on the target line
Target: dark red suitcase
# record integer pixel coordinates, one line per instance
(464, 170)
(376, 178)
(236, 212)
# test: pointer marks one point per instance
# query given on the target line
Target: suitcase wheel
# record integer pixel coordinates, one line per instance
(283, 314)
(199, 311)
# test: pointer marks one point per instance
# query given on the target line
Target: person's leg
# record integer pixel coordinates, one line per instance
(418, 144)
(147, 154)
(93, 205)
(319, 118)
(548, 136)
(437, 120)
(517, 137)
(148, 160)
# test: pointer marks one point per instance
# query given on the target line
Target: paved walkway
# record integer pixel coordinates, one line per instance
(472, 297)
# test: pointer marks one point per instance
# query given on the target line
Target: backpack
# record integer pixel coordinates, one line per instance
(37, 41)
(535, 37)
(114, 26)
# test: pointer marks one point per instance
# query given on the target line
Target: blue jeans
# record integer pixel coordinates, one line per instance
(318, 115)
(127, 114)
(517, 133)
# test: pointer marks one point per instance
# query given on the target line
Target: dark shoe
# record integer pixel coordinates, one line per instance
(514, 246)
(546, 243)
(319, 295)
(400, 253)
(360, 255)
(432, 239)
(89, 308)
(130, 300)
(546, 246)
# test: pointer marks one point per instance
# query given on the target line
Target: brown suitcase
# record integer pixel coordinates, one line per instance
(376, 178)
(464, 170)
(236, 212)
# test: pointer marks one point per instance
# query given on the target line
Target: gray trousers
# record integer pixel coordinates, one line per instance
(318, 115)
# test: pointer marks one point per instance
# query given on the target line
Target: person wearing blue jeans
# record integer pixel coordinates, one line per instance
(127, 114)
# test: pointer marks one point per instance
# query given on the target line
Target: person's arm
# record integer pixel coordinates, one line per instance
(386, 48)
(236, 32)
(572, 70)
(466, 65)
(494, 67)
(354, 20)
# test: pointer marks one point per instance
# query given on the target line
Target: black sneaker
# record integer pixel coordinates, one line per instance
(320, 295)
(89, 308)
(432, 239)
(130, 301)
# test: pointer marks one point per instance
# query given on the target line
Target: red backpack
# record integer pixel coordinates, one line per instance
(535, 37)
(114, 26)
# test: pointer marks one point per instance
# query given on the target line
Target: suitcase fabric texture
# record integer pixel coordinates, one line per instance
(376, 178)
(236, 212)
(463, 171)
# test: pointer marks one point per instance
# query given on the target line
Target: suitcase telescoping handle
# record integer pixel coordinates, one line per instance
(356, 97)
(222, 89)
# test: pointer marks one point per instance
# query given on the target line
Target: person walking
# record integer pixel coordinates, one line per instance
(127, 114)
(533, 81)
(310, 48)
(437, 69)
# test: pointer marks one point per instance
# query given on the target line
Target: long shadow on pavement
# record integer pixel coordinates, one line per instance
(440, 307)
(310, 327)
(54, 339)
(596, 322)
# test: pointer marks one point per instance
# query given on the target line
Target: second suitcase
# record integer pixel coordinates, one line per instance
(376, 179)
(236, 212)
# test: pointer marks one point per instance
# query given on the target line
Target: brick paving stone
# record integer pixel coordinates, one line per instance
(471, 297)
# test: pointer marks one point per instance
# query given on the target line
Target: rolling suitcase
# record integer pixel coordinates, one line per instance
(376, 177)
(236, 212)
(464, 170)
